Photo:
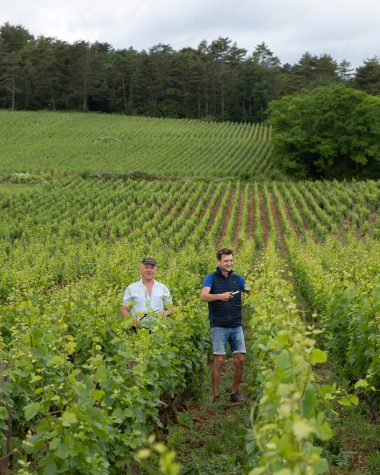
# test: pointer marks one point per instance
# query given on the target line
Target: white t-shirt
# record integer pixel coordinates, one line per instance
(141, 302)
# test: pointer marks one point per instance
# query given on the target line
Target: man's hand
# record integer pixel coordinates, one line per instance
(226, 296)
(166, 313)
(205, 295)
(124, 311)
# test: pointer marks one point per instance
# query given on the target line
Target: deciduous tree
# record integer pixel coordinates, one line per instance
(331, 132)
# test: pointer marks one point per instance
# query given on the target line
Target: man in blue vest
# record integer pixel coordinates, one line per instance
(222, 290)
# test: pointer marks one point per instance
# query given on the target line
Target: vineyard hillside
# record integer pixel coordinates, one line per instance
(83, 198)
(76, 142)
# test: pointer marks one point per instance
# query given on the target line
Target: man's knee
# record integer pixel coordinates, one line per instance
(218, 360)
(239, 358)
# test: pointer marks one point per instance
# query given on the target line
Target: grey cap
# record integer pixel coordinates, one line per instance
(149, 260)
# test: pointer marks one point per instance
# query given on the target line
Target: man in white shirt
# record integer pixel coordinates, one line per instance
(146, 299)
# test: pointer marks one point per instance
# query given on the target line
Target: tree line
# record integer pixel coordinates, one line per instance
(214, 81)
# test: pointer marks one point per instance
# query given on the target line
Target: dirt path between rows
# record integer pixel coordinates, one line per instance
(239, 217)
(277, 223)
(264, 218)
(251, 215)
(226, 219)
(210, 438)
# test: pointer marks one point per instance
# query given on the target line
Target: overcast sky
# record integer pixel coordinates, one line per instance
(346, 29)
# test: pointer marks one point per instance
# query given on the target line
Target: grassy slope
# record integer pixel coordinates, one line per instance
(77, 142)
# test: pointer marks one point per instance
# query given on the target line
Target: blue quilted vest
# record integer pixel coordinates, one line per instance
(225, 314)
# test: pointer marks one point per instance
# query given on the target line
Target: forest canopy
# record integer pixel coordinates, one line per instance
(214, 81)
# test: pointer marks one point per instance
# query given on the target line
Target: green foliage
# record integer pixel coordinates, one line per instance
(217, 81)
(342, 285)
(141, 148)
(311, 71)
(83, 392)
(354, 447)
(198, 83)
(261, 80)
(368, 76)
(330, 132)
(62, 231)
(77, 401)
(288, 419)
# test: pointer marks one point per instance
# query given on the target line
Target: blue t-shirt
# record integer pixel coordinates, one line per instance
(208, 280)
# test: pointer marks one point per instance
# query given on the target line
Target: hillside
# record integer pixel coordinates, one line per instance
(68, 143)
(83, 197)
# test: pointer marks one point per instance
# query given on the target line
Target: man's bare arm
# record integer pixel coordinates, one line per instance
(124, 311)
(205, 295)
